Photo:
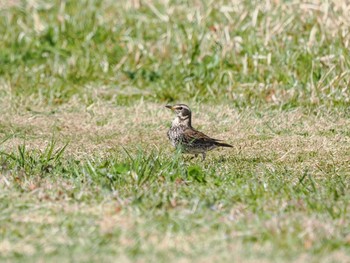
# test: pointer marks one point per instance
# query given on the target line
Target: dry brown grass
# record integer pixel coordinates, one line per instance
(297, 138)
(9, 3)
(103, 127)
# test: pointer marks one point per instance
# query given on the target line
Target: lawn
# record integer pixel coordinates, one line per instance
(87, 173)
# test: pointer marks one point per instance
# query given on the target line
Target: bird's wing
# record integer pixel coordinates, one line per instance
(191, 135)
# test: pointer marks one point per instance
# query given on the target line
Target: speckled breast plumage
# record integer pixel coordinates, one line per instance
(175, 135)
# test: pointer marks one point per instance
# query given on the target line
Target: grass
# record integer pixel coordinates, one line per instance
(87, 173)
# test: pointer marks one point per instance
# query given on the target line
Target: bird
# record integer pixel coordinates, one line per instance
(182, 135)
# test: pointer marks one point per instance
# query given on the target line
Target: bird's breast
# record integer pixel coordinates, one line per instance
(175, 134)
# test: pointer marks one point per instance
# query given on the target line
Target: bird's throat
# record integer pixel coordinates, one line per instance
(182, 121)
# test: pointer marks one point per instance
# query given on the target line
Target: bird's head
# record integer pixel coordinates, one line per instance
(183, 113)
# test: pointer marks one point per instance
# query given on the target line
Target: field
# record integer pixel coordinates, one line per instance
(87, 173)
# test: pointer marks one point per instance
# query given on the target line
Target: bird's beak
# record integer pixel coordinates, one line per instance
(169, 107)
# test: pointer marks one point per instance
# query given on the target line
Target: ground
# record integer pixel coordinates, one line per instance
(87, 173)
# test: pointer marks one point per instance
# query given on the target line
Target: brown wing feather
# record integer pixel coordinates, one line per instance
(192, 135)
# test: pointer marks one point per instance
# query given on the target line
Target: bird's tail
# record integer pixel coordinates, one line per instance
(223, 144)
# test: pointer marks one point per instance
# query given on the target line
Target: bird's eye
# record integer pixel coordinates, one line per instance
(179, 108)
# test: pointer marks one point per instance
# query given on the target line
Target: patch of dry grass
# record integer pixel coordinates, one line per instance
(102, 127)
